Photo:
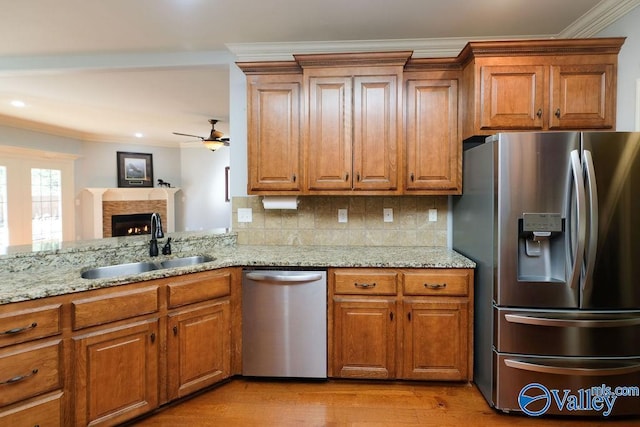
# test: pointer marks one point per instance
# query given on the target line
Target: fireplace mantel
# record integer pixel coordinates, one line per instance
(92, 212)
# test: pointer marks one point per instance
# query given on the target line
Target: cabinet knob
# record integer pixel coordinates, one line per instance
(346, 176)
(294, 177)
(153, 337)
(539, 113)
(175, 330)
(558, 113)
(358, 176)
(412, 177)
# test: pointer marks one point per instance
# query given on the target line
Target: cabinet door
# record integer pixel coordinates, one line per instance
(375, 131)
(582, 96)
(364, 337)
(329, 135)
(274, 134)
(433, 157)
(198, 348)
(116, 373)
(512, 97)
(435, 339)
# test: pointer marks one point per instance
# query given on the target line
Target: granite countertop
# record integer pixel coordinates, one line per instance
(52, 279)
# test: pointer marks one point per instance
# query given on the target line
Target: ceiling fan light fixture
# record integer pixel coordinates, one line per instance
(213, 145)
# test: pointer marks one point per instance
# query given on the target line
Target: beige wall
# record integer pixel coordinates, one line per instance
(315, 222)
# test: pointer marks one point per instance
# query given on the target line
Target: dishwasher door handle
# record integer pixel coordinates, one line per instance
(275, 277)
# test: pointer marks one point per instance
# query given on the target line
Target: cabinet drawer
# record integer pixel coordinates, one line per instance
(436, 282)
(361, 282)
(28, 370)
(114, 306)
(199, 288)
(29, 324)
(46, 411)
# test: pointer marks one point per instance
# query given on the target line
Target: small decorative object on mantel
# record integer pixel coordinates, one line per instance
(135, 169)
(162, 183)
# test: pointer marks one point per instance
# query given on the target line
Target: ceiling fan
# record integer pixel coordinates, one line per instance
(214, 140)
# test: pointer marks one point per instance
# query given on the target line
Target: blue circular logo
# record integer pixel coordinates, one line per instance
(534, 399)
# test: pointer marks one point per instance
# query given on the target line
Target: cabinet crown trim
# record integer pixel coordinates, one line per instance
(595, 46)
(353, 59)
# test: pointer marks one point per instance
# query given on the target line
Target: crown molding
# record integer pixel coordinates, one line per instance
(435, 47)
(603, 14)
(49, 129)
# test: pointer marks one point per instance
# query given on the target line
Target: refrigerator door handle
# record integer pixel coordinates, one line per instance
(562, 370)
(578, 253)
(592, 244)
(579, 323)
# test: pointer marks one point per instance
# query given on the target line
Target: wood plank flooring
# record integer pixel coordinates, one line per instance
(251, 402)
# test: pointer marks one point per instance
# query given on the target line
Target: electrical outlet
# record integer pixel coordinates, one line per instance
(387, 215)
(245, 215)
(433, 215)
(342, 215)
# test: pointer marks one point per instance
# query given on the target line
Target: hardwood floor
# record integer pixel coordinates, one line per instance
(250, 402)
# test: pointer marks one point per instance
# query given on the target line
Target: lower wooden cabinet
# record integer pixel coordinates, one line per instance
(198, 348)
(435, 339)
(46, 410)
(364, 337)
(401, 324)
(116, 373)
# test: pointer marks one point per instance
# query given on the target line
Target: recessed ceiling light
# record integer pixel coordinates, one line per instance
(138, 134)
(18, 103)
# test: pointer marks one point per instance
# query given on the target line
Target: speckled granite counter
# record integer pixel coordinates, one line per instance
(58, 272)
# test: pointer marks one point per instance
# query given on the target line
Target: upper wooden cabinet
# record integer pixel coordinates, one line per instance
(274, 92)
(433, 152)
(353, 125)
(539, 85)
(387, 124)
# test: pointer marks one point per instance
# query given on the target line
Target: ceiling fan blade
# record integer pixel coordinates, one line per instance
(186, 134)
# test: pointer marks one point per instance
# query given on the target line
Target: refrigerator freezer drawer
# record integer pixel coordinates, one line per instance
(567, 386)
(567, 333)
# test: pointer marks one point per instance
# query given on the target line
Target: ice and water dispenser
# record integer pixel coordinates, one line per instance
(541, 247)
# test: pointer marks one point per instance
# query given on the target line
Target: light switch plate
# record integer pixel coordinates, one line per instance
(387, 214)
(433, 215)
(342, 215)
(245, 215)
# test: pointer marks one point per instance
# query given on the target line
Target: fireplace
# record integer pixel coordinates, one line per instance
(100, 204)
(130, 224)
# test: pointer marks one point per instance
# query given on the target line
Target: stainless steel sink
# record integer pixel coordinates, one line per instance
(142, 267)
(182, 262)
(119, 270)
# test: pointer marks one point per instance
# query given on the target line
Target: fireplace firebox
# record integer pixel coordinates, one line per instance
(131, 224)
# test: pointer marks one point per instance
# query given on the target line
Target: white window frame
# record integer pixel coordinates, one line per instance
(19, 162)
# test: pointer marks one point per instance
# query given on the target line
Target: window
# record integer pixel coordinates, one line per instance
(36, 198)
(46, 205)
(4, 225)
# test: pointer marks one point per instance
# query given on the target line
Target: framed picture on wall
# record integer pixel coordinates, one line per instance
(135, 169)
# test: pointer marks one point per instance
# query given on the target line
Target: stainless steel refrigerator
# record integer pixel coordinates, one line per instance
(553, 222)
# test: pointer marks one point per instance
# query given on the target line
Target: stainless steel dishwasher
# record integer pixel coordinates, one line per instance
(284, 323)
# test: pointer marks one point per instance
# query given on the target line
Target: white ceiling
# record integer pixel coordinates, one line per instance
(102, 70)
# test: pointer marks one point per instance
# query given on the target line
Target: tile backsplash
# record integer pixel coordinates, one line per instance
(315, 222)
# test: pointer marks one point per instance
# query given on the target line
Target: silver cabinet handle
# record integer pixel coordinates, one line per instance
(580, 323)
(435, 285)
(365, 285)
(18, 330)
(274, 277)
(562, 370)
